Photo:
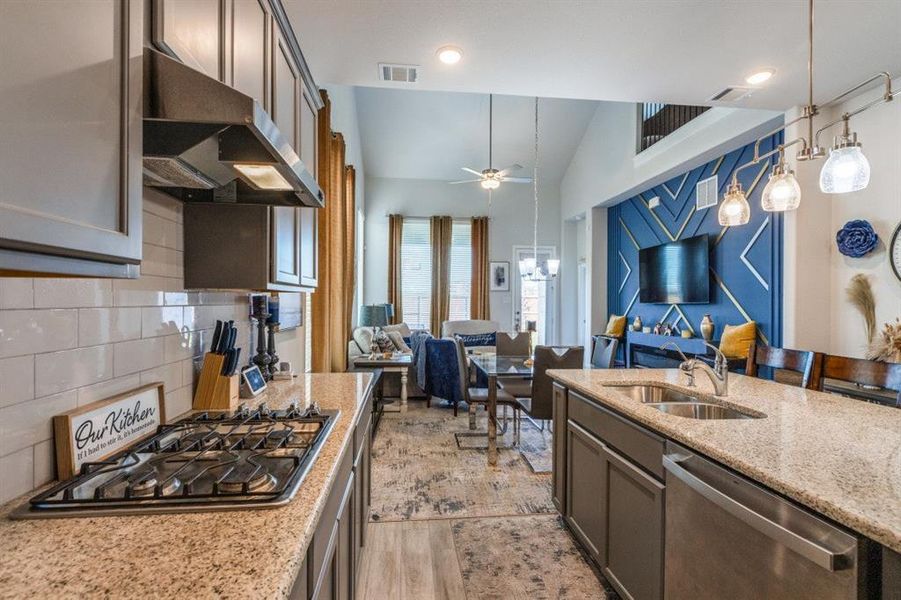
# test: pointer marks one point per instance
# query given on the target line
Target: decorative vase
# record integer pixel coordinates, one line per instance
(707, 328)
(636, 324)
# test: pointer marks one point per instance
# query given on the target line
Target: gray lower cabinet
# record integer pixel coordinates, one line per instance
(70, 139)
(558, 471)
(245, 247)
(613, 492)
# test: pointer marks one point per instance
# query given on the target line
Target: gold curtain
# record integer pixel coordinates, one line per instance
(478, 301)
(395, 239)
(333, 300)
(441, 242)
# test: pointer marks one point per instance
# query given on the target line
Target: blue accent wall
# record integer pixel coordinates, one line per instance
(745, 261)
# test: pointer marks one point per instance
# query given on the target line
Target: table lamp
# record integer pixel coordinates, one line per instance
(375, 316)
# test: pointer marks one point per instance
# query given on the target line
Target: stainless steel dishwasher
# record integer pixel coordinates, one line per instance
(727, 537)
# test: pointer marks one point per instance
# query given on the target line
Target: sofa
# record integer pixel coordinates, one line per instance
(358, 345)
(449, 329)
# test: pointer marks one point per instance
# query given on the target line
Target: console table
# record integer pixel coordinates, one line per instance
(643, 350)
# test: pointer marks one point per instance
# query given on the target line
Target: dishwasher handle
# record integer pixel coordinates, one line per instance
(808, 548)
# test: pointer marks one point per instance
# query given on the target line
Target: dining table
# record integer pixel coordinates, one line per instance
(496, 367)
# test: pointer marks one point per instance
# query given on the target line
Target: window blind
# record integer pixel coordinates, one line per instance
(416, 273)
(460, 270)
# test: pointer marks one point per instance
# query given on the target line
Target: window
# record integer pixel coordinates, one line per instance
(460, 276)
(416, 273)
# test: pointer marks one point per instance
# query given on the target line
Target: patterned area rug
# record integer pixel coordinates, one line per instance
(523, 557)
(420, 472)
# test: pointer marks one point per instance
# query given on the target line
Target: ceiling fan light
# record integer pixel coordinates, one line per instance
(734, 209)
(782, 191)
(846, 170)
(490, 184)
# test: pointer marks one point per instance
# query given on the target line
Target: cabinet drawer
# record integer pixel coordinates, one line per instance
(639, 444)
(330, 512)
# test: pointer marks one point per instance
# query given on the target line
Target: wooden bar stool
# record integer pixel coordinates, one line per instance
(864, 372)
(807, 364)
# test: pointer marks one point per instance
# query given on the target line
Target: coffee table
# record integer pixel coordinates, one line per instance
(400, 363)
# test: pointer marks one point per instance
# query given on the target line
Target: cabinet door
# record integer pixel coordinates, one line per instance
(250, 35)
(191, 30)
(285, 245)
(325, 587)
(361, 493)
(309, 246)
(586, 489)
(285, 91)
(345, 568)
(558, 470)
(309, 132)
(70, 138)
(633, 561)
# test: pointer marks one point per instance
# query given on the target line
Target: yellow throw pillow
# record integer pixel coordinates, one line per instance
(616, 326)
(737, 339)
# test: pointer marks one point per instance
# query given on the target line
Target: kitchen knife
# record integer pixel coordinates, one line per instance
(217, 334)
(223, 340)
(234, 365)
(227, 362)
(232, 338)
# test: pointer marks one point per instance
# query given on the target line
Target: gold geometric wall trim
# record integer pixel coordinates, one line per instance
(737, 304)
(679, 190)
(629, 233)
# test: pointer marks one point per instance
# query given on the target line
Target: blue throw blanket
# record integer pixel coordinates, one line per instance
(442, 375)
(417, 345)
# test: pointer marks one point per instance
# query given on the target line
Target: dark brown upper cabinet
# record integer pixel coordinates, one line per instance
(70, 153)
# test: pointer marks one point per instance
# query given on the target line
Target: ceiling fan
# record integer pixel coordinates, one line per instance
(491, 178)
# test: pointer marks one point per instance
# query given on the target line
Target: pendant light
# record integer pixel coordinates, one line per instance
(529, 268)
(734, 209)
(782, 191)
(846, 169)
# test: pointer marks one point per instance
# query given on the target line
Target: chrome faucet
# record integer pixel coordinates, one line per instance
(688, 364)
(718, 374)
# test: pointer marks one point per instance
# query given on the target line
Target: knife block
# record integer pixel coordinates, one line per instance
(214, 390)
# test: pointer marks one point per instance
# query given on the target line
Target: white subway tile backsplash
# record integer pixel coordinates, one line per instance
(107, 389)
(34, 331)
(16, 292)
(44, 463)
(170, 375)
(16, 474)
(108, 325)
(186, 345)
(164, 262)
(144, 291)
(16, 380)
(161, 320)
(28, 423)
(161, 232)
(178, 402)
(162, 205)
(72, 293)
(60, 371)
(137, 355)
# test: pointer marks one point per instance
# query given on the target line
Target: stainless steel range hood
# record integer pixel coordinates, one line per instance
(207, 142)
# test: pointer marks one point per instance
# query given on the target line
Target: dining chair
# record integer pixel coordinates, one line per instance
(864, 372)
(539, 405)
(806, 363)
(474, 396)
(603, 351)
(515, 344)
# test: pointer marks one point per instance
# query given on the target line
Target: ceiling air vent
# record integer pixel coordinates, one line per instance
(400, 73)
(706, 192)
(731, 94)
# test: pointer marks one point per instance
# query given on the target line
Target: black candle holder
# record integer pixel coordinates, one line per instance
(262, 358)
(270, 343)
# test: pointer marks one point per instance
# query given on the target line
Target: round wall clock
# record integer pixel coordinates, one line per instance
(895, 252)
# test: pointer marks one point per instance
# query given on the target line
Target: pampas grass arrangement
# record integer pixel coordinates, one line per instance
(860, 294)
(887, 346)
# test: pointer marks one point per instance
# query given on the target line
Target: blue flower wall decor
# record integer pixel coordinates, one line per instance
(856, 238)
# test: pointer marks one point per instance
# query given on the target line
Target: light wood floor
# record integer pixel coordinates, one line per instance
(411, 560)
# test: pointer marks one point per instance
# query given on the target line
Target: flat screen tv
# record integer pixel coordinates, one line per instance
(675, 273)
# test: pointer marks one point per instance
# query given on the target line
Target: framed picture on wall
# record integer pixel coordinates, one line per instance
(499, 273)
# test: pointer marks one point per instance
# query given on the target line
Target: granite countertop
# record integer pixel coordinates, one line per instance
(837, 456)
(230, 554)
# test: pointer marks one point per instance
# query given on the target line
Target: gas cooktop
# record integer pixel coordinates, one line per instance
(207, 461)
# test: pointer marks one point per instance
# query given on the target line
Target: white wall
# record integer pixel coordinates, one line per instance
(512, 211)
(817, 313)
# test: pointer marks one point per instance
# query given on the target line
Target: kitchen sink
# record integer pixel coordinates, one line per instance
(654, 394)
(679, 404)
(701, 410)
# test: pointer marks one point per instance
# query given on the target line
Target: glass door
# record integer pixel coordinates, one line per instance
(535, 301)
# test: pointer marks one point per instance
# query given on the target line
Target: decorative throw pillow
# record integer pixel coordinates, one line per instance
(398, 340)
(478, 339)
(616, 326)
(384, 342)
(363, 337)
(737, 339)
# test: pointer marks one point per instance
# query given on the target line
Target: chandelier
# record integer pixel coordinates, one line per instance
(529, 268)
(846, 169)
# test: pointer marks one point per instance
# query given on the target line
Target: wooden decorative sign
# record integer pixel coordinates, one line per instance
(95, 431)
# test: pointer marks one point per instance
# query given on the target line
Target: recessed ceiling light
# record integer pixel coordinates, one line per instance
(450, 55)
(760, 76)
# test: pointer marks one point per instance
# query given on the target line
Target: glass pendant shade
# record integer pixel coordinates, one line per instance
(527, 267)
(846, 170)
(553, 265)
(734, 209)
(782, 191)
